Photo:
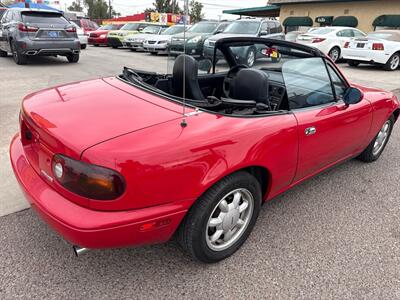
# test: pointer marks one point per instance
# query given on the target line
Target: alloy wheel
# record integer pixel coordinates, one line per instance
(229, 219)
(251, 57)
(394, 63)
(334, 54)
(381, 138)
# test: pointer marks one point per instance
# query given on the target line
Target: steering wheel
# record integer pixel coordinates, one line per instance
(229, 77)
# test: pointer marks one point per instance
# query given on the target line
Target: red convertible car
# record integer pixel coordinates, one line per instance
(115, 162)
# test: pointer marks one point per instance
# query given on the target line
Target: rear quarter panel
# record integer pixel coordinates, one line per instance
(167, 163)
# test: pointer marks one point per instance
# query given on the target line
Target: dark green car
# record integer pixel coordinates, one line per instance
(194, 38)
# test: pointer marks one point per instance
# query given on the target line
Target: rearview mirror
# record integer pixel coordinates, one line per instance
(205, 65)
(352, 96)
(264, 33)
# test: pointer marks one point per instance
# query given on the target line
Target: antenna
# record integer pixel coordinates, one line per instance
(185, 19)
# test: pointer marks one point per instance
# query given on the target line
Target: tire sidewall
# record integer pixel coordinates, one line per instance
(388, 64)
(251, 49)
(339, 52)
(376, 156)
(200, 246)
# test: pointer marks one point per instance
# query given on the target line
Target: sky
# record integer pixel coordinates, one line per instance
(212, 8)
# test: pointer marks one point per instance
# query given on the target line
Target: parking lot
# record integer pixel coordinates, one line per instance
(334, 236)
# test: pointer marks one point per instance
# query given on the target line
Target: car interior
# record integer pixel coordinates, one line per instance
(240, 91)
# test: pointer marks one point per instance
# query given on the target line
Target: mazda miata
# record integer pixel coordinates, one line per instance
(135, 159)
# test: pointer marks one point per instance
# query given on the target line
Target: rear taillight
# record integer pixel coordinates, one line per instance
(346, 45)
(378, 46)
(87, 180)
(26, 28)
(318, 40)
(70, 29)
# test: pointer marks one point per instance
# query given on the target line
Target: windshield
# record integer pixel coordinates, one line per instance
(203, 28)
(131, 26)
(43, 18)
(151, 29)
(243, 28)
(173, 30)
(322, 30)
(110, 27)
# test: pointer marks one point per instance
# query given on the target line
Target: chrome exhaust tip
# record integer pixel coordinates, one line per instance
(32, 52)
(79, 251)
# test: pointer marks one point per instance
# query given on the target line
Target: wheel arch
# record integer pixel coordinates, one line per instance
(396, 114)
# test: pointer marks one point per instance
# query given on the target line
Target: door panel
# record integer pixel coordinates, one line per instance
(330, 134)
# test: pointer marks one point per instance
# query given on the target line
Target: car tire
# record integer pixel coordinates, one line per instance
(353, 63)
(132, 49)
(153, 53)
(334, 54)
(251, 57)
(96, 45)
(393, 63)
(199, 228)
(73, 58)
(3, 53)
(83, 46)
(378, 145)
(114, 47)
(19, 58)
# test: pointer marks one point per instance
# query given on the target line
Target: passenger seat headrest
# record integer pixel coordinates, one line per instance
(250, 84)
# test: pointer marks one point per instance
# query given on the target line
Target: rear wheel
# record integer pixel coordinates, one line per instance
(376, 147)
(3, 53)
(114, 47)
(83, 46)
(393, 62)
(334, 54)
(222, 219)
(96, 45)
(19, 58)
(353, 63)
(132, 49)
(153, 53)
(73, 58)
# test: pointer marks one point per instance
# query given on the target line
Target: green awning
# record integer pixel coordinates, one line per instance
(262, 11)
(298, 21)
(387, 21)
(324, 19)
(348, 21)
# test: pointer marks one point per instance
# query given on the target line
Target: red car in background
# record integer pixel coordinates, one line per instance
(99, 37)
(114, 162)
(87, 25)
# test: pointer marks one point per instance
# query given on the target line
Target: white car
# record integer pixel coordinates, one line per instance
(135, 41)
(330, 40)
(158, 44)
(381, 47)
(83, 38)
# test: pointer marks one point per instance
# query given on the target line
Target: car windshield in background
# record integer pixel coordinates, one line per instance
(385, 36)
(322, 31)
(110, 27)
(151, 29)
(131, 26)
(43, 18)
(173, 30)
(243, 28)
(203, 28)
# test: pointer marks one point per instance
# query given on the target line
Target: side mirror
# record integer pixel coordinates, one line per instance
(352, 96)
(264, 33)
(205, 65)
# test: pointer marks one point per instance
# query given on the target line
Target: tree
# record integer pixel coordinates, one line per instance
(165, 6)
(97, 9)
(76, 6)
(196, 11)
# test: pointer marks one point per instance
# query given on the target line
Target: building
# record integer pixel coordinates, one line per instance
(366, 15)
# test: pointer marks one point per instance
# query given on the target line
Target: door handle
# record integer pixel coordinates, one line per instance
(310, 130)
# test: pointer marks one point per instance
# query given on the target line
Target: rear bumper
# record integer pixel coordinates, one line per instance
(97, 41)
(367, 56)
(89, 228)
(36, 47)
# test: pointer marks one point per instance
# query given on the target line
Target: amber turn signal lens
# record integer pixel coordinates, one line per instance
(87, 180)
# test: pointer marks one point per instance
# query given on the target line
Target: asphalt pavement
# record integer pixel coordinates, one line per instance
(336, 236)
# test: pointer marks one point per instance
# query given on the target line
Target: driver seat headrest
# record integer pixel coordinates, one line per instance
(186, 70)
(250, 84)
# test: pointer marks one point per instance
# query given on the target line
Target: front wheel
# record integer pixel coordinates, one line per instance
(222, 219)
(334, 54)
(393, 63)
(73, 58)
(376, 147)
(83, 46)
(3, 53)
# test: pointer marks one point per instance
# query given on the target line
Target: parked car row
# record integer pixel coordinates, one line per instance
(381, 47)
